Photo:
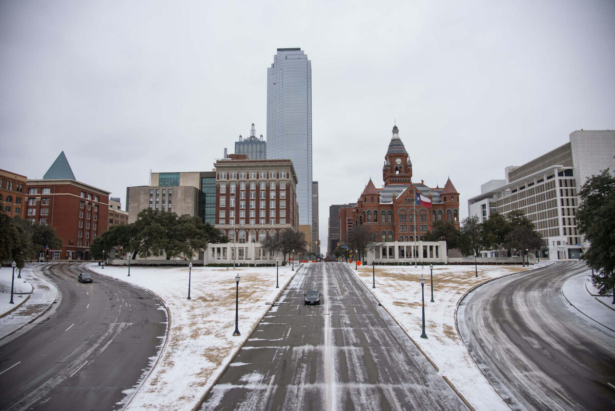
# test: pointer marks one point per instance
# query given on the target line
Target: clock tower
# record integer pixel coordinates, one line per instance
(397, 165)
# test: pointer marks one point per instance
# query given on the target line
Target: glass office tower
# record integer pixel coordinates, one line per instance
(289, 120)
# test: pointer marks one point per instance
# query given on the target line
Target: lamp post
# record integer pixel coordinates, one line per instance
(22, 261)
(538, 255)
(277, 284)
(237, 333)
(234, 244)
(189, 277)
(13, 280)
(374, 273)
(129, 264)
(103, 260)
(431, 269)
(527, 256)
(423, 299)
(293, 260)
(475, 266)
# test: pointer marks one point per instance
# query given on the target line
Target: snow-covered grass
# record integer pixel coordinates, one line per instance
(399, 290)
(200, 340)
(21, 287)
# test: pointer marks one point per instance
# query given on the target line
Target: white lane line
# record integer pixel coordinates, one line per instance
(612, 386)
(395, 401)
(329, 360)
(77, 370)
(269, 387)
(87, 306)
(288, 333)
(15, 365)
(565, 399)
(87, 293)
(69, 327)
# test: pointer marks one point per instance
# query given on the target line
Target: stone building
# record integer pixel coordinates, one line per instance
(117, 216)
(402, 210)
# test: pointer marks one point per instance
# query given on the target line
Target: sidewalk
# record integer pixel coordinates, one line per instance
(41, 292)
(577, 292)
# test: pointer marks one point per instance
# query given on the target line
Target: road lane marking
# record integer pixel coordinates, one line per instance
(87, 306)
(87, 293)
(17, 365)
(329, 360)
(69, 327)
(612, 386)
(77, 370)
(288, 333)
(565, 399)
(269, 387)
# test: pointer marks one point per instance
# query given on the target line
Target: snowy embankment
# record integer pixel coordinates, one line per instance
(20, 289)
(399, 290)
(200, 340)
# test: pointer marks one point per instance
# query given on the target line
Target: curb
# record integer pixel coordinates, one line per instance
(41, 313)
(16, 307)
(166, 334)
(575, 307)
(605, 304)
(200, 402)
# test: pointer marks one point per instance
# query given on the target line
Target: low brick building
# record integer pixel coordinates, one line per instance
(401, 211)
(78, 212)
(12, 193)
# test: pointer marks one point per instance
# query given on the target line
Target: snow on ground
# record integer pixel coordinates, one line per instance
(578, 291)
(200, 341)
(399, 290)
(21, 287)
(593, 290)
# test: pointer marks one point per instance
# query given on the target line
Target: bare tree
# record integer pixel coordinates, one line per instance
(360, 239)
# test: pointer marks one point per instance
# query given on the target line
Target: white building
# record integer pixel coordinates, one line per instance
(546, 190)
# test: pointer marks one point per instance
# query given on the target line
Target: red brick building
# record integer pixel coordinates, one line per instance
(12, 193)
(77, 211)
(391, 213)
(255, 197)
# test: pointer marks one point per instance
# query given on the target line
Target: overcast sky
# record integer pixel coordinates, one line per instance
(128, 86)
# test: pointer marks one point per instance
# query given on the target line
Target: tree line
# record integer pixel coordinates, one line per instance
(22, 240)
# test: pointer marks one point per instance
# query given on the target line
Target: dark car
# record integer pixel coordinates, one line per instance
(85, 278)
(312, 297)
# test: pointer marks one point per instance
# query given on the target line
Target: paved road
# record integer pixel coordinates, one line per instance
(82, 357)
(537, 350)
(347, 354)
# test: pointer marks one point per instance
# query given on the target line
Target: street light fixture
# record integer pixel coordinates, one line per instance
(189, 277)
(237, 333)
(431, 269)
(423, 299)
(277, 284)
(374, 273)
(13, 280)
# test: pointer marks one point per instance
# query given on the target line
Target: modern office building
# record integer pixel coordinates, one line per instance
(333, 238)
(117, 216)
(191, 193)
(289, 120)
(256, 198)
(315, 220)
(12, 194)
(254, 147)
(546, 190)
(78, 212)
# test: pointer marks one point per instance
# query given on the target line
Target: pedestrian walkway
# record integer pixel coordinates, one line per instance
(39, 292)
(577, 294)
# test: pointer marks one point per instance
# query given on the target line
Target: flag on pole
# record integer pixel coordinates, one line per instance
(423, 201)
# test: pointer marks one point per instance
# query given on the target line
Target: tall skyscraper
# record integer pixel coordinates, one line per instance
(254, 147)
(289, 120)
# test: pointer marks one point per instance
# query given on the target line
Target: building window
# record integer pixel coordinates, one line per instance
(232, 202)
(89, 206)
(233, 176)
(282, 204)
(7, 209)
(252, 204)
(282, 221)
(263, 205)
(271, 213)
(168, 179)
(222, 201)
(262, 213)
(272, 221)
(96, 198)
(80, 234)
(222, 188)
(232, 188)
(242, 195)
(88, 216)
(32, 201)
(80, 214)
(44, 211)
(263, 186)
(253, 174)
(222, 221)
(17, 210)
(242, 221)
(222, 176)
(89, 196)
(242, 204)
(282, 213)
(242, 176)
(272, 186)
(272, 204)
(263, 195)
(95, 217)
(272, 174)
(272, 194)
(43, 221)
(282, 174)
(45, 191)
(32, 191)
(87, 225)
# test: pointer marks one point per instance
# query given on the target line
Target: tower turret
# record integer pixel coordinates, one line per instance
(398, 167)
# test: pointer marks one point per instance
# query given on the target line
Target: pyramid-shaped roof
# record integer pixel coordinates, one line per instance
(449, 188)
(370, 188)
(396, 146)
(60, 170)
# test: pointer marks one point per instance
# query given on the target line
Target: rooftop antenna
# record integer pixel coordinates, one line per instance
(252, 132)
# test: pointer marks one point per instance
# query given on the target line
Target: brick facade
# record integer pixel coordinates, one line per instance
(390, 213)
(12, 194)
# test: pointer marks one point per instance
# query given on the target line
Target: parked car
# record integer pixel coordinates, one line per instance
(312, 297)
(85, 278)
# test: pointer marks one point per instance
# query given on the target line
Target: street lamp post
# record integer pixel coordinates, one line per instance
(129, 264)
(475, 266)
(527, 256)
(423, 299)
(237, 333)
(189, 277)
(234, 244)
(277, 283)
(13, 280)
(103, 260)
(374, 273)
(293, 260)
(431, 269)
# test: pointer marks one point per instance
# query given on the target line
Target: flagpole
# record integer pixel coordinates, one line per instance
(415, 221)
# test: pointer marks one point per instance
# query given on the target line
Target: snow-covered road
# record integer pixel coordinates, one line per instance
(345, 354)
(537, 350)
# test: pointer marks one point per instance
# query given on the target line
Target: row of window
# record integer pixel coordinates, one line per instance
(7, 209)
(87, 234)
(8, 185)
(252, 221)
(164, 191)
(242, 186)
(42, 221)
(87, 225)
(9, 199)
(242, 204)
(242, 213)
(252, 175)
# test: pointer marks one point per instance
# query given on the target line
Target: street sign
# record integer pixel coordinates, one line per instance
(359, 263)
(350, 261)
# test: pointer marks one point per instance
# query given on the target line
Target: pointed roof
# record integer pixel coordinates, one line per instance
(370, 189)
(60, 170)
(396, 146)
(449, 188)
